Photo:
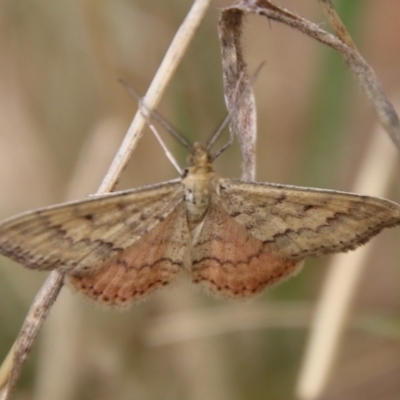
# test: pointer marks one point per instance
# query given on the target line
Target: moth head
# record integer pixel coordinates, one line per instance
(199, 158)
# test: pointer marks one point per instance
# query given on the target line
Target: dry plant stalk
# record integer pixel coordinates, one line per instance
(11, 367)
(344, 274)
(236, 80)
(337, 23)
(231, 19)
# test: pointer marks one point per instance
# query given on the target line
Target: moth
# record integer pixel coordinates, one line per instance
(235, 238)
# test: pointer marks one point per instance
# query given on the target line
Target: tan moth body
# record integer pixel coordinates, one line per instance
(233, 237)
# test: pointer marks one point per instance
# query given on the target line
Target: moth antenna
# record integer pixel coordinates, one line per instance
(225, 122)
(154, 114)
(158, 137)
(228, 118)
(224, 147)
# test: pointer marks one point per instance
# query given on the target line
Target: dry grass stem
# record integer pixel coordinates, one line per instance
(341, 283)
(236, 80)
(336, 22)
(203, 323)
(362, 71)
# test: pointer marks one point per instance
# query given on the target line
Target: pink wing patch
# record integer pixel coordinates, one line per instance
(151, 263)
(232, 263)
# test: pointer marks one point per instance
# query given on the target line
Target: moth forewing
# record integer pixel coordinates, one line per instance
(81, 235)
(296, 222)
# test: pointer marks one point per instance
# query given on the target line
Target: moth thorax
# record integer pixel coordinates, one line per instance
(197, 198)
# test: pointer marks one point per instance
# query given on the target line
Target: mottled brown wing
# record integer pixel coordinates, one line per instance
(79, 236)
(230, 262)
(294, 222)
(149, 264)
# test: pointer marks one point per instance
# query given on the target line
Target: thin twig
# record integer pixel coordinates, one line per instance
(236, 81)
(362, 71)
(336, 22)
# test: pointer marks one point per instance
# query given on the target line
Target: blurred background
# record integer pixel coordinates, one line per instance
(62, 117)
